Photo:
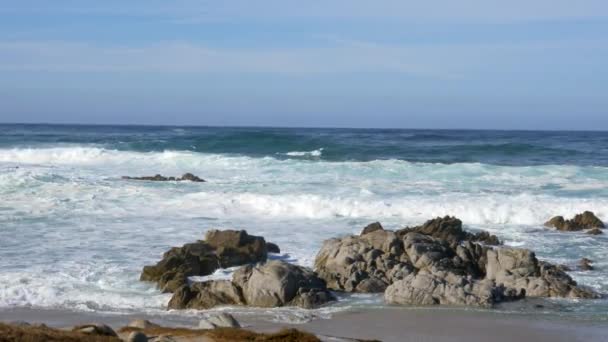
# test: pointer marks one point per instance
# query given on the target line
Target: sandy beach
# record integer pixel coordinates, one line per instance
(389, 325)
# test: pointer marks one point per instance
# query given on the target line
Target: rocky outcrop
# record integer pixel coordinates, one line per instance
(586, 220)
(439, 263)
(220, 249)
(269, 284)
(159, 178)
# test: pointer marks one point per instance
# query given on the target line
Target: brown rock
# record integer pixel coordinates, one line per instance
(586, 220)
(595, 231)
(372, 227)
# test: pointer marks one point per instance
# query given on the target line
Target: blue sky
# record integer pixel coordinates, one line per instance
(535, 64)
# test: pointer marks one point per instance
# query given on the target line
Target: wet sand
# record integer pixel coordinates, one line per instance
(390, 324)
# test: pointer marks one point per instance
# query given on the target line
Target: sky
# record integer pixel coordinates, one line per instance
(518, 64)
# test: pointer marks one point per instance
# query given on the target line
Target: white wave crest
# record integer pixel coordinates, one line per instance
(314, 153)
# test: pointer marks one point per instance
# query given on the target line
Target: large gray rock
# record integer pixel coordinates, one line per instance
(221, 249)
(518, 269)
(450, 289)
(269, 284)
(277, 283)
(374, 258)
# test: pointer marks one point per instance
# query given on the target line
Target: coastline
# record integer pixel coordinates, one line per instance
(385, 324)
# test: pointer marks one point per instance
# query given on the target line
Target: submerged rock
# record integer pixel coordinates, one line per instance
(221, 249)
(161, 178)
(268, 284)
(586, 220)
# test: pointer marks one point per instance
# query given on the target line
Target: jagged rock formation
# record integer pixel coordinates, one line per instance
(439, 263)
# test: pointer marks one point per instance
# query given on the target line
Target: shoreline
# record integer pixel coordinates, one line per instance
(384, 324)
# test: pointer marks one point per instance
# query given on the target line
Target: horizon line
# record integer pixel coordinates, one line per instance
(300, 127)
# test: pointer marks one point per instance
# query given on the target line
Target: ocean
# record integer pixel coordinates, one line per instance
(74, 235)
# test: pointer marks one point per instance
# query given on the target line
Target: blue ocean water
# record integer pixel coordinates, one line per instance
(74, 235)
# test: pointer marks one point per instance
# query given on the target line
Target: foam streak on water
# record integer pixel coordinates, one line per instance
(73, 234)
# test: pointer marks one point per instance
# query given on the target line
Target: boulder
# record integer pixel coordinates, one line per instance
(236, 247)
(268, 284)
(372, 227)
(221, 320)
(518, 269)
(221, 249)
(586, 220)
(277, 283)
(595, 231)
(206, 295)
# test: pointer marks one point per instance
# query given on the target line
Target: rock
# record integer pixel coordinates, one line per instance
(137, 336)
(372, 227)
(221, 320)
(519, 269)
(586, 220)
(429, 289)
(236, 247)
(277, 283)
(221, 249)
(595, 231)
(269, 284)
(377, 256)
(585, 264)
(190, 177)
(272, 248)
(449, 229)
(161, 178)
(142, 324)
(95, 329)
(439, 263)
(206, 295)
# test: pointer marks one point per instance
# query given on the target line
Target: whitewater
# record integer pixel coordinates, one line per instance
(74, 235)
